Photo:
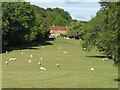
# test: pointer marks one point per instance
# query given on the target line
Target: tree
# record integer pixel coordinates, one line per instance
(102, 31)
(62, 13)
(75, 29)
(50, 17)
(18, 23)
(59, 21)
(25, 23)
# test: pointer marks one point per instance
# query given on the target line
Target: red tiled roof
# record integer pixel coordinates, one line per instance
(57, 27)
(56, 31)
(53, 31)
(63, 32)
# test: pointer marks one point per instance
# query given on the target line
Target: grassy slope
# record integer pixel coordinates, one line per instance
(74, 71)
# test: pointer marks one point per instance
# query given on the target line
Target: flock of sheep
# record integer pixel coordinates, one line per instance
(29, 61)
(39, 63)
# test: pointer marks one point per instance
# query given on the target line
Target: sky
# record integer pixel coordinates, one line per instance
(78, 9)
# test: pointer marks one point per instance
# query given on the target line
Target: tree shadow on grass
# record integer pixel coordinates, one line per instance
(97, 56)
(47, 43)
(26, 46)
(117, 80)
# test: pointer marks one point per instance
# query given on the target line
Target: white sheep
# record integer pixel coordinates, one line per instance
(6, 52)
(65, 52)
(80, 39)
(39, 63)
(60, 47)
(22, 53)
(31, 55)
(105, 59)
(41, 58)
(11, 59)
(42, 69)
(58, 65)
(14, 59)
(67, 38)
(92, 69)
(84, 48)
(6, 62)
(29, 61)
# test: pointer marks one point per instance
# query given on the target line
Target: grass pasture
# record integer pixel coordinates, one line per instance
(74, 71)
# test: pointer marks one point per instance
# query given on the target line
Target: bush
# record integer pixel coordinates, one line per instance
(63, 35)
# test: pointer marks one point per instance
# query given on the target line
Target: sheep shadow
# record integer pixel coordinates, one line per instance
(97, 56)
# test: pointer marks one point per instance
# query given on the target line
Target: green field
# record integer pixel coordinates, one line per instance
(74, 71)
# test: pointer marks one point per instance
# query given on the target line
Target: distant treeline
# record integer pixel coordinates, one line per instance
(102, 31)
(24, 23)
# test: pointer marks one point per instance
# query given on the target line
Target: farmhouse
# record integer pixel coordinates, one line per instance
(57, 30)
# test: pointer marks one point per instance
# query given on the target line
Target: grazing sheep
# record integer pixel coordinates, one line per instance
(57, 65)
(14, 59)
(113, 57)
(92, 69)
(84, 48)
(39, 63)
(60, 47)
(31, 55)
(41, 58)
(105, 59)
(6, 62)
(80, 39)
(6, 52)
(65, 52)
(22, 53)
(67, 38)
(11, 59)
(29, 61)
(42, 69)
